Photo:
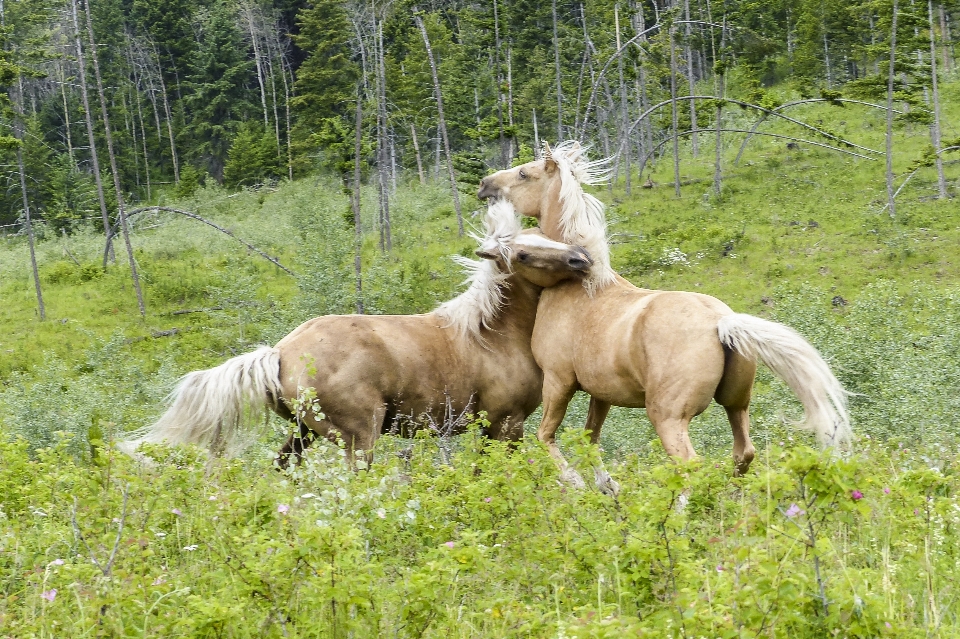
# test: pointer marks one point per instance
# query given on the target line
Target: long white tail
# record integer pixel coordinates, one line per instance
(798, 363)
(211, 407)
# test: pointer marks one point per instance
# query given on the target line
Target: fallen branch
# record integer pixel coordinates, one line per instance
(763, 118)
(643, 164)
(194, 216)
(187, 311)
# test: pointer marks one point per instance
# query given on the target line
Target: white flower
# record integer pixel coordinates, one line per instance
(161, 535)
(191, 547)
(382, 513)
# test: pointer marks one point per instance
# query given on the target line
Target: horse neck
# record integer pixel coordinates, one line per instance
(551, 211)
(518, 313)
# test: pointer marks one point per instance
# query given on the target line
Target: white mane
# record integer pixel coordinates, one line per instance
(479, 305)
(582, 220)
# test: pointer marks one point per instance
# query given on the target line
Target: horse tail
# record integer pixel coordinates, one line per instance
(211, 407)
(795, 361)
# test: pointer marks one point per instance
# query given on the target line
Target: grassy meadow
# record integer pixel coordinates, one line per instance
(441, 539)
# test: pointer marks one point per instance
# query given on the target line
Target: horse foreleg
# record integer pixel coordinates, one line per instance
(674, 432)
(596, 415)
(556, 397)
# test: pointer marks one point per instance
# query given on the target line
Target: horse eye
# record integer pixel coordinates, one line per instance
(523, 176)
(522, 256)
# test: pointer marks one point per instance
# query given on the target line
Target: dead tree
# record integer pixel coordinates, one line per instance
(890, 79)
(935, 129)
(88, 119)
(438, 94)
(113, 165)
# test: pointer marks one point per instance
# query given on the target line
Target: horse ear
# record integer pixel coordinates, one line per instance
(486, 254)
(548, 162)
(547, 151)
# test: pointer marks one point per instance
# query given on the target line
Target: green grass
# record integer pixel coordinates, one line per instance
(879, 297)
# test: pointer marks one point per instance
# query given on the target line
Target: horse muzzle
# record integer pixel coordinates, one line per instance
(487, 190)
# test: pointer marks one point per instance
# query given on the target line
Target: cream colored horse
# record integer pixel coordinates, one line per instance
(670, 352)
(354, 376)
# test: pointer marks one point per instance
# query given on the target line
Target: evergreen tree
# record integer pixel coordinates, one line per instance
(326, 86)
(218, 96)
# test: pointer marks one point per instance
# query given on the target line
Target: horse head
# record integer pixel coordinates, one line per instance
(538, 259)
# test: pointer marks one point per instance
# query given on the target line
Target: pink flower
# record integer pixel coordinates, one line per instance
(158, 581)
(176, 511)
(719, 567)
(530, 461)
(49, 595)
(449, 544)
(56, 562)
(488, 499)
(888, 625)
(793, 511)
(283, 509)
(856, 495)
(886, 491)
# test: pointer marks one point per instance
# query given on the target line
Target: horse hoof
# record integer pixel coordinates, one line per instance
(573, 479)
(607, 485)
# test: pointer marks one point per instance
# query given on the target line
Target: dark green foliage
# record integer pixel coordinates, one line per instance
(253, 158)
(218, 97)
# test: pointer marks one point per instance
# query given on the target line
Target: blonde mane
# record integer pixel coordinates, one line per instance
(582, 219)
(476, 308)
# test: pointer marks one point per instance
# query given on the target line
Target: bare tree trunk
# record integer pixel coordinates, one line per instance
(143, 129)
(166, 109)
(935, 129)
(355, 201)
(945, 38)
(673, 113)
(504, 160)
(88, 117)
(416, 151)
(513, 135)
(691, 82)
(443, 124)
(113, 165)
(890, 77)
(624, 103)
(28, 223)
(556, 64)
(386, 242)
(286, 104)
(247, 11)
(66, 115)
(536, 135)
(826, 57)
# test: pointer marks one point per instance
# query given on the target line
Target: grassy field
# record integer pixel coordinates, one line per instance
(490, 545)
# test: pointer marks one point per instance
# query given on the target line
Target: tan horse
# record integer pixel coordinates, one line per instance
(355, 376)
(670, 352)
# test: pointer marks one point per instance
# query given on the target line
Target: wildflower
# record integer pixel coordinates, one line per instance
(793, 511)
(856, 495)
(382, 513)
(191, 547)
(49, 595)
(888, 625)
(719, 567)
(159, 581)
(307, 496)
(283, 509)
(176, 511)
(449, 544)
(886, 491)
(530, 461)
(161, 535)
(488, 499)
(56, 562)
(212, 498)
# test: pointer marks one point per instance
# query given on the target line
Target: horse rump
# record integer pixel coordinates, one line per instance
(795, 361)
(211, 408)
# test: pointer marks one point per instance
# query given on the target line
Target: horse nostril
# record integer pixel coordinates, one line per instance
(577, 262)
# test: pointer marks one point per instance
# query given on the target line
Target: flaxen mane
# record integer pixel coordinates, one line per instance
(479, 305)
(582, 219)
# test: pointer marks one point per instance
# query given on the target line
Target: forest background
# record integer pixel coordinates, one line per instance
(313, 133)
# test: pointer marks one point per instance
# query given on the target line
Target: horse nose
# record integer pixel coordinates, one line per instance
(585, 256)
(579, 263)
(485, 189)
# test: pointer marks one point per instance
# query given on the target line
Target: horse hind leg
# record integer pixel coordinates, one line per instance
(733, 393)
(556, 397)
(743, 450)
(596, 415)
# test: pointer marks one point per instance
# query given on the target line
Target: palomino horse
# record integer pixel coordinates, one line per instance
(368, 373)
(670, 352)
